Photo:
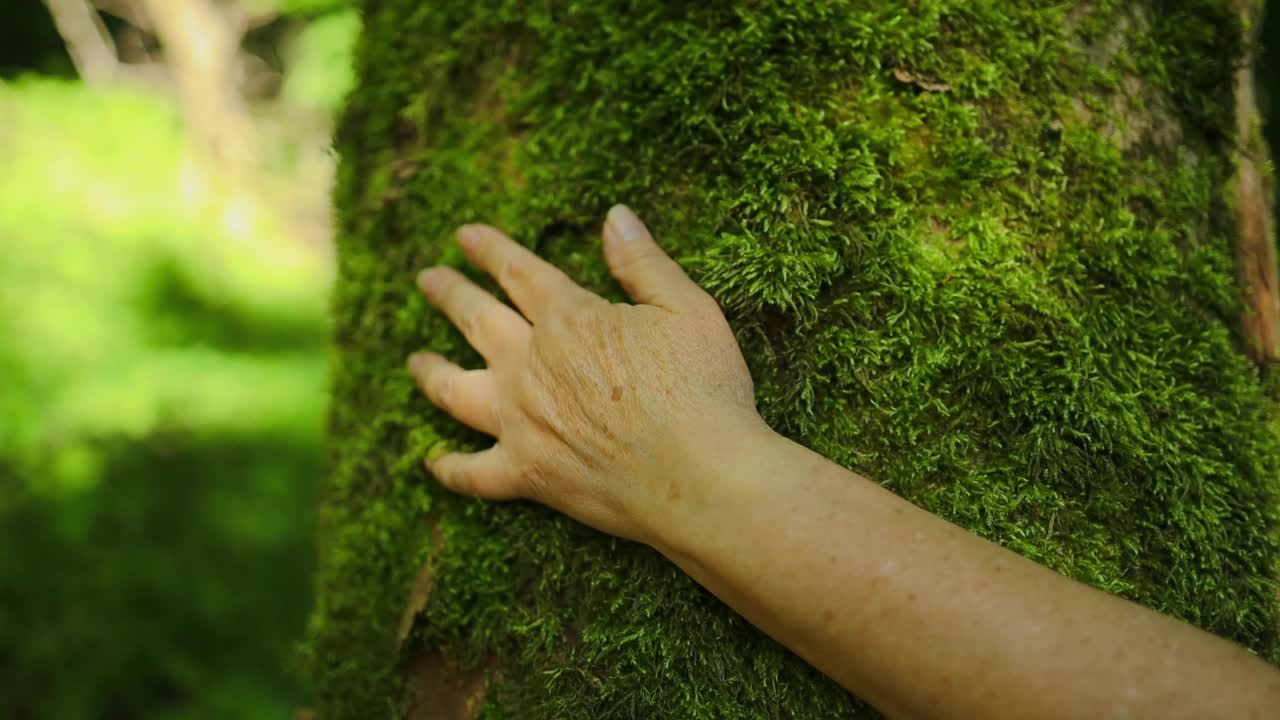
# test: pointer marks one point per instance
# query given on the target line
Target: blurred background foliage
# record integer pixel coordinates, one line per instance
(163, 353)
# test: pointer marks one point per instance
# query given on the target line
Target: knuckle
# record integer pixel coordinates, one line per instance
(510, 273)
(532, 476)
(559, 319)
(467, 323)
(529, 394)
(442, 390)
(493, 323)
(488, 325)
(472, 323)
(639, 260)
(454, 475)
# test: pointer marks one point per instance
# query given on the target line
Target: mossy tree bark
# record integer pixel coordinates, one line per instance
(983, 252)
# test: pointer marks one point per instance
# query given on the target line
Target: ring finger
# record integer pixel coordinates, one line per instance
(470, 396)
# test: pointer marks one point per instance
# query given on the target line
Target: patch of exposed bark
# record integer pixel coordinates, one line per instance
(420, 590)
(436, 690)
(1136, 113)
(1254, 199)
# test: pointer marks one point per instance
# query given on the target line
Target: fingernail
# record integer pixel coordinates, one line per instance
(427, 279)
(624, 224)
(467, 236)
(416, 362)
(438, 450)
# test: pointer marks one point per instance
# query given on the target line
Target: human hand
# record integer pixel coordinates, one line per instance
(596, 407)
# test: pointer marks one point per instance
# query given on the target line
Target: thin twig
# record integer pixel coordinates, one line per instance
(91, 47)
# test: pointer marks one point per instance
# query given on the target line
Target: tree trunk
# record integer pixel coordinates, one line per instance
(983, 252)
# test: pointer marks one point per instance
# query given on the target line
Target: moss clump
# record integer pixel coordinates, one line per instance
(1010, 301)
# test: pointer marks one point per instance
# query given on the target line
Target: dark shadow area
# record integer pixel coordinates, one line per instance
(178, 313)
(29, 42)
(171, 588)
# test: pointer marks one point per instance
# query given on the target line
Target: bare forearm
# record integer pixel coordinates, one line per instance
(640, 421)
(925, 619)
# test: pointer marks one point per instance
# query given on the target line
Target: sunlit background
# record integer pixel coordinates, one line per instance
(165, 249)
(164, 257)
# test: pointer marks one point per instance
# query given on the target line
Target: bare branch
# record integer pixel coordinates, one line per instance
(88, 42)
(127, 10)
(202, 49)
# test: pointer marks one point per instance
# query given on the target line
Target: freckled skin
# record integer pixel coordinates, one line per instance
(640, 421)
(579, 400)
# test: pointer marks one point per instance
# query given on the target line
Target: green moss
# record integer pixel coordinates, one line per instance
(980, 297)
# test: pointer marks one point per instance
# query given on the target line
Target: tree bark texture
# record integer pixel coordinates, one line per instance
(983, 252)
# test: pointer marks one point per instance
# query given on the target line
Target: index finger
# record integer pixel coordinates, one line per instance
(531, 282)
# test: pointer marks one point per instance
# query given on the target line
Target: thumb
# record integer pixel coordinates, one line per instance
(647, 273)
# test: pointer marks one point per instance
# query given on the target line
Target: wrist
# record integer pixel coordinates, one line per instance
(711, 480)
